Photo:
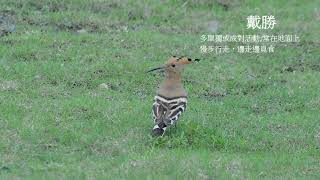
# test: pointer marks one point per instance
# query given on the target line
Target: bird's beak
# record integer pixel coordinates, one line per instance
(155, 69)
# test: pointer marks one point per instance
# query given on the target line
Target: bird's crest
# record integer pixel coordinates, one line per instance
(180, 60)
(174, 61)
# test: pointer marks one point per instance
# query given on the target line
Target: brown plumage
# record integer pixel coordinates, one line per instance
(171, 98)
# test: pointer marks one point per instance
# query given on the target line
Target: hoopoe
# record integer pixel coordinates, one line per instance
(171, 98)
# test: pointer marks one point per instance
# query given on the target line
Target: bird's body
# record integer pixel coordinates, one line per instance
(166, 111)
(171, 99)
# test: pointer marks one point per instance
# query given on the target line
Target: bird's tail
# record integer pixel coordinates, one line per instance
(159, 129)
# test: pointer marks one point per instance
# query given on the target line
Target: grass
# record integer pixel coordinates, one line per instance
(75, 102)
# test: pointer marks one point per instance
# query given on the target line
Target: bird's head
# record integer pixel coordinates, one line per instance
(175, 64)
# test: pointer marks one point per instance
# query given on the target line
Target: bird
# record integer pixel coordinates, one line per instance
(170, 100)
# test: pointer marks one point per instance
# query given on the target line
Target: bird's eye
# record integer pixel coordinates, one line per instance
(189, 59)
(173, 65)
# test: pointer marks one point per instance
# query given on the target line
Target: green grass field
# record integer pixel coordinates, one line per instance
(75, 101)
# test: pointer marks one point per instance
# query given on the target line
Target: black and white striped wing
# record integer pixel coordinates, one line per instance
(176, 109)
(157, 110)
(168, 109)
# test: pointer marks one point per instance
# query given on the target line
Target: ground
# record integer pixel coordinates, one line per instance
(75, 101)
